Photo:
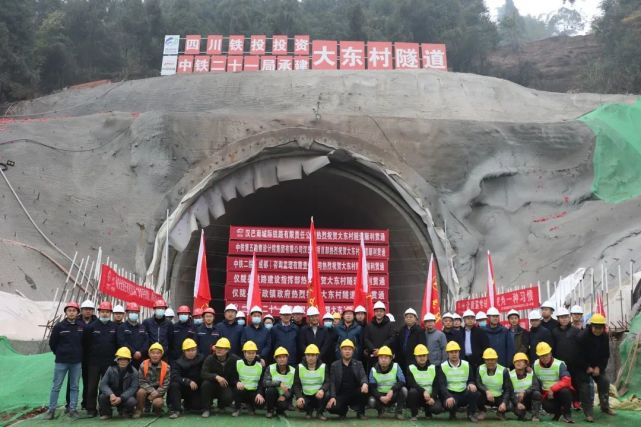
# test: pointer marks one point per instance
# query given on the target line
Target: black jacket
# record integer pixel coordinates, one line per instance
(506, 382)
(323, 339)
(159, 331)
(376, 335)
(268, 381)
(99, 342)
(454, 335)
(298, 386)
(594, 351)
(538, 335)
(206, 338)
(181, 332)
(110, 382)
(66, 340)
(404, 349)
(227, 369)
(183, 370)
(134, 337)
(565, 345)
(550, 324)
(479, 341)
(336, 376)
(521, 339)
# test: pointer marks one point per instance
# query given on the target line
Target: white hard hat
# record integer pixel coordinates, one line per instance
(493, 311)
(231, 307)
(468, 313)
(119, 309)
(391, 318)
(512, 312)
(576, 309)
(534, 315)
(481, 315)
(411, 311)
(298, 310)
(88, 304)
(268, 316)
(169, 313)
(328, 316)
(547, 304)
(360, 309)
(458, 316)
(313, 311)
(379, 304)
(285, 310)
(429, 316)
(448, 314)
(562, 311)
(240, 315)
(256, 309)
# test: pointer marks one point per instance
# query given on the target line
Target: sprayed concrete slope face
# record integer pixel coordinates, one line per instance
(508, 168)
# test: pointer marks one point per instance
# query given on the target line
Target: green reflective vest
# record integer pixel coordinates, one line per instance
(287, 379)
(385, 382)
(312, 381)
(548, 376)
(494, 383)
(249, 375)
(424, 378)
(523, 384)
(456, 376)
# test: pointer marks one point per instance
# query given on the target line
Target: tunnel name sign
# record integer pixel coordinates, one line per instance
(235, 53)
(282, 255)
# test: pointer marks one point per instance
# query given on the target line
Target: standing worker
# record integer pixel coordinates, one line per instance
(408, 337)
(499, 337)
(475, 341)
(158, 327)
(547, 321)
(378, 333)
(435, 340)
(285, 334)
(133, 335)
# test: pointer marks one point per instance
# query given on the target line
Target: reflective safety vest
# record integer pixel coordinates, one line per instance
(164, 367)
(494, 383)
(424, 378)
(287, 379)
(456, 376)
(312, 381)
(548, 376)
(523, 384)
(385, 382)
(249, 375)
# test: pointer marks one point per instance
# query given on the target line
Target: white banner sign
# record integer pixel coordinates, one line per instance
(172, 43)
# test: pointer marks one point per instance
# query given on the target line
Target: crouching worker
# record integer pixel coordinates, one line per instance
(249, 388)
(554, 379)
(422, 385)
(278, 380)
(456, 383)
(492, 381)
(153, 380)
(118, 387)
(524, 392)
(347, 384)
(311, 384)
(387, 384)
(219, 376)
(185, 380)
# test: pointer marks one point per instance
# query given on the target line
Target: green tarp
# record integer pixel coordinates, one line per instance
(626, 350)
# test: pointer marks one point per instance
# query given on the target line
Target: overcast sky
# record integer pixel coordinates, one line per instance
(588, 8)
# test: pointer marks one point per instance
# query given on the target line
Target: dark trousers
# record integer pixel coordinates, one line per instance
(94, 373)
(178, 392)
(561, 404)
(312, 402)
(531, 401)
(106, 408)
(83, 404)
(271, 399)
(464, 398)
(483, 401)
(344, 401)
(416, 402)
(398, 397)
(587, 393)
(210, 390)
(247, 397)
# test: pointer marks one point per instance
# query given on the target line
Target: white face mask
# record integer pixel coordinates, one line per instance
(159, 312)
(241, 321)
(133, 317)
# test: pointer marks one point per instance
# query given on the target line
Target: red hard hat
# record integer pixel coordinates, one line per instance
(132, 306)
(105, 305)
(72, 304)
(183, 309)
(209, 310)
(160, 303)
(198, 312)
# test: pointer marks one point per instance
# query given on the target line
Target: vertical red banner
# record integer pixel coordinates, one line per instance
(218, 64)
(285, 63)
(434, 56)
(406, 56)
(236, 45)
(268, 63)
(201, 64)
(257, 45)
(352, 55)
(251, 63)
(234, 64)
(301, 63)
(379, 56)
(214, 44)
(185, 64)
(301, 45)
(279, 45)
(324, 55)
(192, 44)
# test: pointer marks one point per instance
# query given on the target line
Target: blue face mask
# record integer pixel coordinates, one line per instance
(183, 317)
(269, 325)
(241, 322)
(256, 320)
(328, 323)
(198, 321)
(105, 319)
(159, 312)
(133, 317)
(482, 323)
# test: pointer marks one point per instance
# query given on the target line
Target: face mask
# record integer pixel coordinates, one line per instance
(133, 317)
(104, 319)
(160, 312)
(328, 323)
(198, 321)
(483, 323)
(256, 320)
(269, 325)
(241, 322)
(183, 317)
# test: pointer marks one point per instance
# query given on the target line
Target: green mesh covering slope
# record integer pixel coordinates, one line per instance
(617, 156)
(634, 388)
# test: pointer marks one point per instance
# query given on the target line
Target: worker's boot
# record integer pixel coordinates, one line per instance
(536, 411)
(50, 415)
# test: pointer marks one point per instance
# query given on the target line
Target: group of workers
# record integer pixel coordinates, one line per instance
(328, 364)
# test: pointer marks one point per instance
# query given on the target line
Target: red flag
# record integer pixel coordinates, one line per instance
(362, 296)
(491, 283)
(314, 294)
(431, 303)
(202, 293)
(253, 292)
(599, 304)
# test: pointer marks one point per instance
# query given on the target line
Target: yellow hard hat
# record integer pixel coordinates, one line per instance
(281, 351)
(336, 315)
(490, 353)
(520, 356)
(156, 346)
(452, 346)
(597, 319)
(250, 346)
(123, 353)
(189, 343)
(347, 343)
(385, 351)
(223, 343)
(421, 350)
(312, 349)
(543, 348)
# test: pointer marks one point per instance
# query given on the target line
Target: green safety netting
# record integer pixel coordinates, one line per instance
(617, 156)
(626, 350)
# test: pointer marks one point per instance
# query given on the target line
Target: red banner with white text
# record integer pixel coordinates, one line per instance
(117, 286)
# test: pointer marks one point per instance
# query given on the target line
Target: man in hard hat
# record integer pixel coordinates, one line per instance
(219, 376)
(118, 387)
(451, 333)
(593, 356)
(481, 319)
(186, 380)
(577, 317)
(499, 337)
(434, 339)
(87, 312)
(347, 384)
(524, 391)
(456, 383)
(285, 334)
(169, 314)
(249, 388)
(408, 337)
(255, 331)
(183, 329)
(314, 333)
(378, 333)
(268, 322)
(298, 316)
(475, 341)
(538, 333)
(197, 317)
(278, 380)
(565, 342)
(457, 322)
(328, 323)
(422, 385)
(65, 342)
(100, 344)
(311, 384)
(555, 382)
(337, 318)
(207, 333)
(158, 328)
(133, 335)
(387, 384)
(520, 336)
(492, 381)
(360, 315)
(87, 316)
(349, 329)
(547, 321)
(153, 381)
(118, 314)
